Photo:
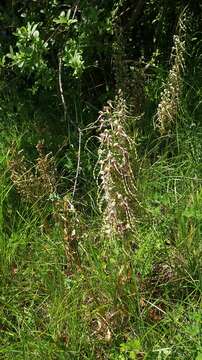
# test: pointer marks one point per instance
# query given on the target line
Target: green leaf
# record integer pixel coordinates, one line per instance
(64, 19)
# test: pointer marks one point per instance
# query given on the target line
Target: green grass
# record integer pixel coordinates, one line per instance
(135, 300)
(137, 297)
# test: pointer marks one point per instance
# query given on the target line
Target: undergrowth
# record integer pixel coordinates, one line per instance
(109, 269)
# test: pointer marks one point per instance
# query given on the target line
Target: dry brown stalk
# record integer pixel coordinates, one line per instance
(35, 183)
(66, 216)
(38, 185)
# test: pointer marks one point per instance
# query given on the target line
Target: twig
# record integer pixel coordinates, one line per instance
(78, 163)
(62, 93)
(75, 9)
(156, 307)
